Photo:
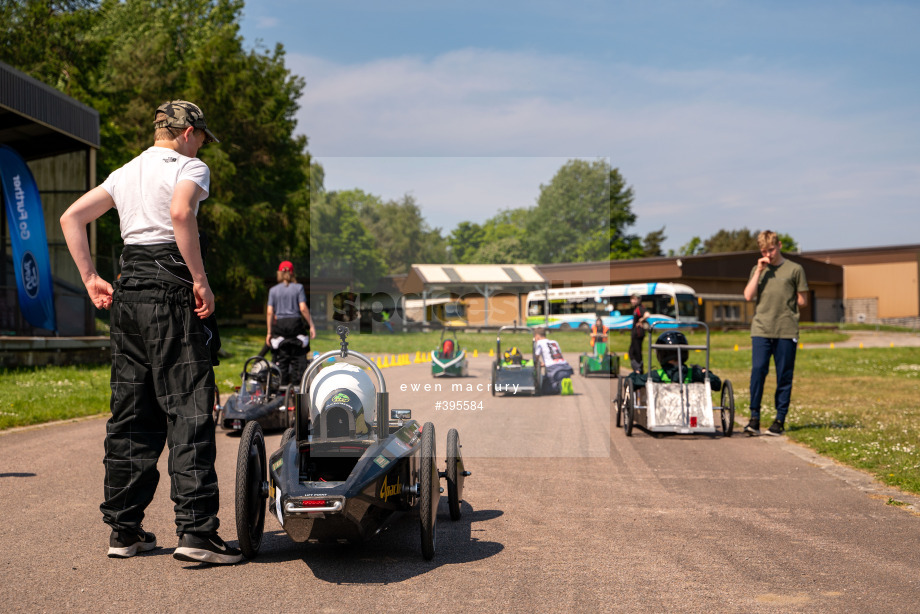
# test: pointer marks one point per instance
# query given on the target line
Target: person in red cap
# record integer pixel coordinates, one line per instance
(287, 337)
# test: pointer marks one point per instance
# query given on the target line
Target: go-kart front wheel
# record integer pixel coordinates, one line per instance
(628, 407)
(251, 489)
(429, 489)
(455, 474)
(728, 409)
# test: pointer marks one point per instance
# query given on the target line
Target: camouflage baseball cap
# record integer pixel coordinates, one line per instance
(181, 114)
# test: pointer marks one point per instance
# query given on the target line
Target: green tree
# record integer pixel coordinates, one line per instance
(731, 241)
(340, 244)
(622, 245)
(569, 221)
(651, 244)
(504, 238)
(123, 57)
(402, 235)
(789, 244)
(693, 247)
(464, 241)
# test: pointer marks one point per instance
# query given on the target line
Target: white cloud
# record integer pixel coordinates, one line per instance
(723, 147)
(264, 23)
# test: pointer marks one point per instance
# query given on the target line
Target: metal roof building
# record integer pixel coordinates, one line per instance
(58, 137)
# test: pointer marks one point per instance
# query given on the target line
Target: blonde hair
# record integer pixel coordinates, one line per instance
(171, 134)
(286, 276)
(767, 239)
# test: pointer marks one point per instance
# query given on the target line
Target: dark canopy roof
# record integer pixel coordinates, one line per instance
(38, 121)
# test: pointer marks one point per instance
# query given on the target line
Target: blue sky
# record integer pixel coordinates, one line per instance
(796, 116)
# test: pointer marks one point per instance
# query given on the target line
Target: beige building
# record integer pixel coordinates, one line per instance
(880, 284)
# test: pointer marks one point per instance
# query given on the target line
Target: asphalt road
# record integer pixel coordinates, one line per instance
(563, 512)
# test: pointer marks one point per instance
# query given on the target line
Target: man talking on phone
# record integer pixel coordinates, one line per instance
(778, 288)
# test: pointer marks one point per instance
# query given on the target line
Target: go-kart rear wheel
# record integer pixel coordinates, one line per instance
(629, 408)
(454, 474)
(728, 409)
(619, 402)
(494, 376)
(251, 489)
(429, 492)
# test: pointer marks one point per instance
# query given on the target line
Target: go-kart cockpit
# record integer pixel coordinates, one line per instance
(260, 379)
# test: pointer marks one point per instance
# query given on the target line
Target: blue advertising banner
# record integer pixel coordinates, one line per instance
(30, 244)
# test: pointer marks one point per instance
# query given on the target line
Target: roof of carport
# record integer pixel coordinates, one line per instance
(39, 121)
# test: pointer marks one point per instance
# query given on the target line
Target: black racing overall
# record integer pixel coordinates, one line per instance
(162, 391)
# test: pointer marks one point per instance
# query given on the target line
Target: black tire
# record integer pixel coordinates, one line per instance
(251, 492)
(582, 365)
(454, 474)
(494, 376)
(429, 490)
(287, 436)
(619, 402)
(728, 409)
(629, 408)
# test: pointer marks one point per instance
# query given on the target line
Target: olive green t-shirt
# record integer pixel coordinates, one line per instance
(776, 314)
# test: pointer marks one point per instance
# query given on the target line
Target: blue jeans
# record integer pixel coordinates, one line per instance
(783, 353)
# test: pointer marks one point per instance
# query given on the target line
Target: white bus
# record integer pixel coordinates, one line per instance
(577, 308)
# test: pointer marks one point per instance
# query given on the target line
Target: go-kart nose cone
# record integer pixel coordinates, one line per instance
(343, 379)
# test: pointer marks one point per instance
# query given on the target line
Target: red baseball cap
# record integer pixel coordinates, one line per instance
(287, 265)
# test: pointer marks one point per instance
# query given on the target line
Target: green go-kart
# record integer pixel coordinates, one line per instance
(599, 362)
(449, 360)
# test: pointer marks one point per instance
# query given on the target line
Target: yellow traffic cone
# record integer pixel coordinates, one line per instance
(491, 353)
(736, 347)
(475, 354)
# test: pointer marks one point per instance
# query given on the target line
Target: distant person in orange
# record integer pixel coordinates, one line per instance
(598, 333)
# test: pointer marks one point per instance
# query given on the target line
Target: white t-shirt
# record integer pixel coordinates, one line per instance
(550, 352)
(143, 189)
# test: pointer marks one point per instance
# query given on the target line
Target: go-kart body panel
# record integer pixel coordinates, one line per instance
(452, 366)
(361, 482)
(270, 412)
(677, 408)
(515, 379)
(608, 364)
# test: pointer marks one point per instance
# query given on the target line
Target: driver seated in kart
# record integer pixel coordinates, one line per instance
(671, 370)
(513, 357)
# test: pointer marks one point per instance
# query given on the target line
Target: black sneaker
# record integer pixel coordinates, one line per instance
(126, 543)
(206, 548)
(776, 429)
(753, 428)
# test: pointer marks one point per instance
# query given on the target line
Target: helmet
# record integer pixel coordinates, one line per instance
(672, 337)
